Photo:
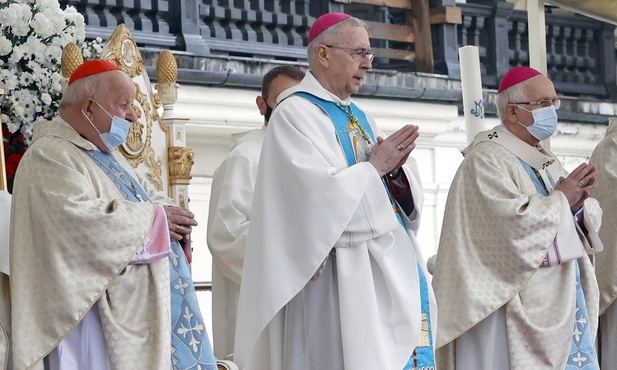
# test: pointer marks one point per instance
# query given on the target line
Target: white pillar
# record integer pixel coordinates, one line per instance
(471, 81)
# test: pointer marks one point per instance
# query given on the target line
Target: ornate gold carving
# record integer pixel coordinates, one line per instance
(122, 50)
(71, 59)
(180, 162)
(166, 68)
(155, 168)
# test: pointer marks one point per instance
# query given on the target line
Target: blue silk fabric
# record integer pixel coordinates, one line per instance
(190, 344)
(582, 351)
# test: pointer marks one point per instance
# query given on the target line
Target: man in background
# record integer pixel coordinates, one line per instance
(230, 211)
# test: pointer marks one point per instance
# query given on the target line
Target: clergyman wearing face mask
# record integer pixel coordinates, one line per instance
(118, 132)
(511, 237)
(100, 242)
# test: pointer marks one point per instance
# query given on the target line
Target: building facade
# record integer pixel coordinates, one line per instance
(224, 47)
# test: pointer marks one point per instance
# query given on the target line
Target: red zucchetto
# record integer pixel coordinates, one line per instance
(92, 67)
(324, 22)
(516, 75)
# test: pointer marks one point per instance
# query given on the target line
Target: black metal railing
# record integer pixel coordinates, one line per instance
(580, 51)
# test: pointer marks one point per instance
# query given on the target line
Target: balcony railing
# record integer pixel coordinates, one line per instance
(409, 35)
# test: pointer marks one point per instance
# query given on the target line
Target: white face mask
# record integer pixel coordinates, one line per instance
(544, 122)
(118, 132)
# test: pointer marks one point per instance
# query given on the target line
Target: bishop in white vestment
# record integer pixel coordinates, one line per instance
(333, 277)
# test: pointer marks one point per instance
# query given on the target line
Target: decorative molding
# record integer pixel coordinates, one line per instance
(180, 163)
(122, 50)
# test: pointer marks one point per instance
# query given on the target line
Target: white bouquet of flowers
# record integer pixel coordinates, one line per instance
(32, 35)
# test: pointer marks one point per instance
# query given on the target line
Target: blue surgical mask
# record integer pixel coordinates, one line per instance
(544, 122)
(118, 132)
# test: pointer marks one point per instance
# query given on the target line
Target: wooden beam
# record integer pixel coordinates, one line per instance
(394, 54)
(392, 32)
(424, 41)
(401, 4)
(446, 14)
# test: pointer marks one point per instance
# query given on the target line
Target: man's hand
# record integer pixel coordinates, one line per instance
(578, 185)
(180, 222)
(390, 154)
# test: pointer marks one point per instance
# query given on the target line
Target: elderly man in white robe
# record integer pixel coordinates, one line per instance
(333, 277)
(513, 279)
(605, 158)
(230, 211)
(99, 277)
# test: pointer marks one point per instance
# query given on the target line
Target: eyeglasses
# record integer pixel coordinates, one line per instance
(542, 103)
(357, 53)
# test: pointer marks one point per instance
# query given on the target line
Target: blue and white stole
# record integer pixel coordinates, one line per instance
(582, 351)
(190, 345)
(423, 356)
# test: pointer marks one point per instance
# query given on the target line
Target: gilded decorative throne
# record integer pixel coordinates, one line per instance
(156, 144)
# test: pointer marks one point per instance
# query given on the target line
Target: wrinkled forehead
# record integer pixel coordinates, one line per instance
(539, 88)
(352, 36)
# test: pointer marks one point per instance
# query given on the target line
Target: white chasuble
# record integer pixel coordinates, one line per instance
(228, 223)
(308, 201)
(65, 260)
(496, 234)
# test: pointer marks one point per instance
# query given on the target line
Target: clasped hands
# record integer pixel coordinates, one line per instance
(180, 222)
(578, 185)
(389, 154)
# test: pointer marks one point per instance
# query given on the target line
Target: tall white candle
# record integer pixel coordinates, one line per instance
(471, 81)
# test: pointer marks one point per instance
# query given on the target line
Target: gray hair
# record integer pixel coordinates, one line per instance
(95, 86)
(510, 95)
(330, 36)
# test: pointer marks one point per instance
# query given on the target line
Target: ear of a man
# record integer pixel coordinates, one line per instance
(261, 104)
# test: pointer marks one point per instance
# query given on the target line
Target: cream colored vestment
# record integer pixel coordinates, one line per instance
(5, 296)
(73, 235)
(605, 158)
(496, 233)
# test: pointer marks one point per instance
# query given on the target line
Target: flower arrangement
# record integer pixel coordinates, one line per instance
(32, 35)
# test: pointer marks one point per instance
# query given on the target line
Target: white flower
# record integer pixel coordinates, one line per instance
(30, 74)
(42, 25)
(35, 45)
(5, 46)
(46, 98)
(8, 16)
